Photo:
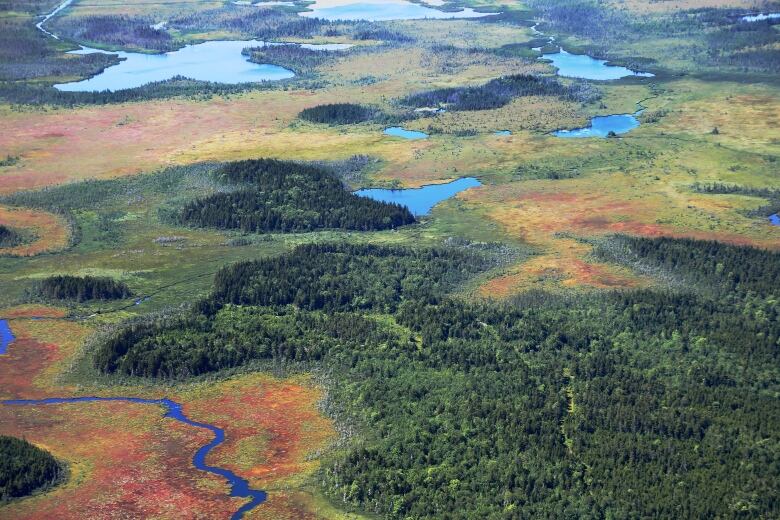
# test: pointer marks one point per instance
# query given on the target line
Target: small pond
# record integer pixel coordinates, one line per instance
(601, 126)
(421, 200)
(502, 132)
(584, 67)
(6, 336)
(397, 131)
(773, 219)
(380, 10)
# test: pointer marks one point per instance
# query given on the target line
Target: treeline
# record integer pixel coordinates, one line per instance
(752, 45)
(499, 92)
(641, 403)
(718, 37)
(27, 53)
(82, 289)
(707, 263)
(299, 59)
(283, 196)
(344, 277)
(25, 468)
(9, 237)
(274, 24)
(339, 114)
(255, 22)
(719, 188)
(333, 278)
(125, 31)
(27, 94)
(591, 19)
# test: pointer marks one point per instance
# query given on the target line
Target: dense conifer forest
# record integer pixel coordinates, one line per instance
(25, 468)
(626, 403)
(82, 289)
(9, 237)
(294, 57)
(498, 92)
(272, 195)
(338, 114)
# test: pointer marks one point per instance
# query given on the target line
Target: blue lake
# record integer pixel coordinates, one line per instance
(773, 219)
(601, 126)
(421, 200)
(584, 67)
(397, 131)
(219, 61)
(380, 10)
(6, 336)
(238, 486)
(502, 132)
(760, 17)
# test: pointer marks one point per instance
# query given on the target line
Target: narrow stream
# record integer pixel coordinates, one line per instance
(238, 486)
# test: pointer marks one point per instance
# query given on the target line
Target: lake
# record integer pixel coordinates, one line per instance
(173, 410)
(584, 67)
(6, 336)
(380, 10)
(601, 126)
(219, 61)
(773, 219)
(421, 200)
(397, 131)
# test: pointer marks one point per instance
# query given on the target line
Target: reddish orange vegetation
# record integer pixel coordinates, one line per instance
(127, 457)
(33, 311)
(50, 231)
(273, 428)
(38, 353)
(550, 216)
(125, 461)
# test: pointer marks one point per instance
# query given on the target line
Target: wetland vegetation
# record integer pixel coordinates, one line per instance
(384, 287)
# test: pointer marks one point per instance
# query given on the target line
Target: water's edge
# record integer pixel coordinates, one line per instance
(238, 486)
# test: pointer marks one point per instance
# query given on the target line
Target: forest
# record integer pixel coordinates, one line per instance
(116, 31)
(25, 468)
(82, 289)
(720, 38)
(26, 53)
(299, 59)
(339, 114)
(719, 188)
(272, 195)
(618, 404)
(9, 237)
(499, 92)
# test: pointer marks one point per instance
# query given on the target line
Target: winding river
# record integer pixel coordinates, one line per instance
(238, 486)
(173, 410)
